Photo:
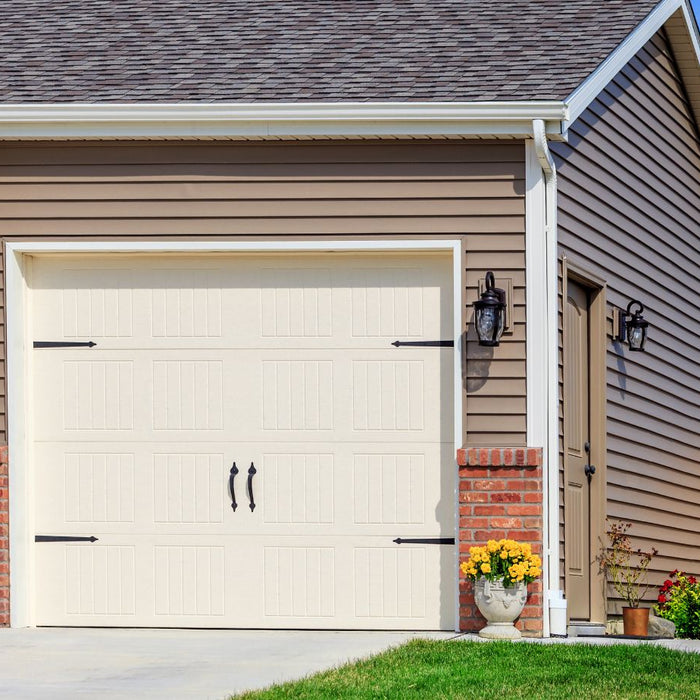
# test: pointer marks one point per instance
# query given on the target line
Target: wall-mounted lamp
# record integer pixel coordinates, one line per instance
(630, 327)
(490, 313)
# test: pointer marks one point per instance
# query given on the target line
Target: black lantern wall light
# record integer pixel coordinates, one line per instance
(631, 327)
(490, 313)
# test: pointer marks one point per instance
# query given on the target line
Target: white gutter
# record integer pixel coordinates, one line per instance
(550, 476)
(278, 120)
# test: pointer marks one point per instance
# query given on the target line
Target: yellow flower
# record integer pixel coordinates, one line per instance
(504, 554)
(492, 546)
(486, 568)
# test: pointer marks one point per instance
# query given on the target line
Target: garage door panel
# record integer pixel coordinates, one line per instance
(147, 303)
(121, 487)
(82, 581)
(152, 487)
(307, 392)
(285, 582)
(284, 363)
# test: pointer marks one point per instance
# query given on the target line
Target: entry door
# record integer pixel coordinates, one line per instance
(342, 442)
(577, 503)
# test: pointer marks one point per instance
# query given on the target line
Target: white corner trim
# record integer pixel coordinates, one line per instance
(459, 357)
(587, 91)
(277, 120)
(22, 602)
(548, 317)
(536, 334)
(20, 503)
(535, 298)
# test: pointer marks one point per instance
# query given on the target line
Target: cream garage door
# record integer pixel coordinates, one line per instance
(281, 365)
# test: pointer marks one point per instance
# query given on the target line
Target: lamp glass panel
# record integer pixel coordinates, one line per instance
(486, 322)
(635, 337)
(501, 322)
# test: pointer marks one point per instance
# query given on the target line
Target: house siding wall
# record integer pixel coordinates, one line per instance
(629, 196)
(470, 191)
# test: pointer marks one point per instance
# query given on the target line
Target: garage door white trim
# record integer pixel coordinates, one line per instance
(22, 595)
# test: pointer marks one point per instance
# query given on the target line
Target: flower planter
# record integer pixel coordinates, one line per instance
(500, 605)
(635, 621)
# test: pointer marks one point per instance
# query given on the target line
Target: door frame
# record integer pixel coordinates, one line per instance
(597, 341)
(17, 271)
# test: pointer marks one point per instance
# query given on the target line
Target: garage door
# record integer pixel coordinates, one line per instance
(243, 441)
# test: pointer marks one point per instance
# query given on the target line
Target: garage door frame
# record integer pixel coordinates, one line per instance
(22, 592)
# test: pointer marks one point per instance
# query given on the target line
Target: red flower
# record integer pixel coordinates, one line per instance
(661, 599)
(692, 580)
(667, 584)
(674, 572)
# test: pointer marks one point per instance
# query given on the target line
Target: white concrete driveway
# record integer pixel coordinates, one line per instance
(106, 664)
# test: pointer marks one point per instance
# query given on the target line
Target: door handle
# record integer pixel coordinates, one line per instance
(251, 473)
(588, 469)
(231, 477)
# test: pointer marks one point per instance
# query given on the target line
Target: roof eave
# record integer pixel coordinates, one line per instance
(278, 120)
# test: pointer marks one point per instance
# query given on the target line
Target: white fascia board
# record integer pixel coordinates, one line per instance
(689, 17)
(189, 120)
(692, 26)
(590, 88)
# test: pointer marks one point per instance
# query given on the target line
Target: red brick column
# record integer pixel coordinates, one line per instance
(4, 541)
(500, 496)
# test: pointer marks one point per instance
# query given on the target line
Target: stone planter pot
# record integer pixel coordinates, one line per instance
(501, 606)
(635, 621)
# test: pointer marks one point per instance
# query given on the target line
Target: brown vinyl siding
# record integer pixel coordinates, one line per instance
(471, 191)
(629, 196)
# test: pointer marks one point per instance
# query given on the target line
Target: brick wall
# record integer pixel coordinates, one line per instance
(500, 496)
(4, 541)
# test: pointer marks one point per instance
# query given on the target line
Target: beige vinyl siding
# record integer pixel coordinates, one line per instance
(469, 191)
(629, 197)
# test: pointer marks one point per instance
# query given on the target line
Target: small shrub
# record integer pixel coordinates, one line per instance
(625, 567)
(679, 601)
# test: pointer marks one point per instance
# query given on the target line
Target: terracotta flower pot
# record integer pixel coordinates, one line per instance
(635, 621)
(501, 606)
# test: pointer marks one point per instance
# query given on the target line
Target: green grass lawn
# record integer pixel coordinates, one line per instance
(503, 670)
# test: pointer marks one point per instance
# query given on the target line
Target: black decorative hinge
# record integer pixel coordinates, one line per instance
(63, 344)
(424, 343)
(63, 538)
(428, 540)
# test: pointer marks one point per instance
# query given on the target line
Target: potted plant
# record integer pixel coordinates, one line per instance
(501, 571)
(626, 570)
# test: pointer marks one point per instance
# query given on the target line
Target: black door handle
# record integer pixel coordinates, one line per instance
(231, 477)
(251, 473)
(588, 469)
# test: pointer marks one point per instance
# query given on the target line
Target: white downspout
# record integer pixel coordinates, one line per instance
(550, 477)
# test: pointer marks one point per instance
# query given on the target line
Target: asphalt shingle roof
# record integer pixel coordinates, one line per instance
(305, 50)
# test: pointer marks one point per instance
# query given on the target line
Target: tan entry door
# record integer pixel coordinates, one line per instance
(283, 365)
(577, 461)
